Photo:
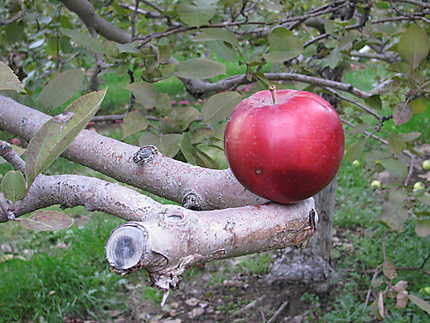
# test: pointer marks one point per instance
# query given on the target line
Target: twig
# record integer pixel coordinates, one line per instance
(411, 171)
(15, 18)
(418, 3)
(248, 306)
(278, 312)
(369, 292)
(7, 152)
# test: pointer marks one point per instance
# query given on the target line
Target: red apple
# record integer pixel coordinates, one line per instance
(285, 151)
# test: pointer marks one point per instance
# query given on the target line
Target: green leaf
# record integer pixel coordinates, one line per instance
(361, 128)
(145, 93)
(217, 34)
(422, 228)
(199, 68)
(219, 106)
(414, 45)
(134, 121)
(396, 143)
(8, 79)
(401, 114)
(13, 186)
(85, 40)
(218, 47)
(56, 134)
(394, 212)
(422, 304)
(201, 134)
(374, 101)
(283, 45)
(377, 155)
(61, 88)
(187, 148)
(424, 199)
(410, 135)
(149, 138)
(205, 160)
(419, 105)
(186, 115)
(395, 167)
(47, 220)
(170, 144)
(355, 149)
(196, 15)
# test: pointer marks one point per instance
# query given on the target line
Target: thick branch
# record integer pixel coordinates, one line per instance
(158, 174)
(92, 20)
(168, 244)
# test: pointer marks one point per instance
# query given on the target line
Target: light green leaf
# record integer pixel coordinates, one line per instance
(134, 121)
(283, 45)
(145, 93)
(422, 228)
(56, 134)
(414, 45)
(187, 148)
(13, 186)
(419, 105)
(410, 135)
(218, 47)
(396, 143)
(8, 79)
(61, 88)
(355, 149)
(195, 15)
(149, 138)
(422, 304)
(85, 40)
(217, 34)
(47, 220)
(219, 106)
(199, 68)
(186, 115)
(395, 167)
(170, 144)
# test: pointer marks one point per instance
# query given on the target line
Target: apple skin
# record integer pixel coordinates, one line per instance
(284, 152)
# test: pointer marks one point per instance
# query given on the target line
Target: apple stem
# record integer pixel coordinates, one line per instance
(272, 90)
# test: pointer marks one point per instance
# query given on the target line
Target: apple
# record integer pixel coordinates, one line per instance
(375, 184)
(418, 186)
(356, 163)
(426, 164)
(284, 145)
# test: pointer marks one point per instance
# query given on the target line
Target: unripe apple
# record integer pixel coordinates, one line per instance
(418, 186)
(356, 163)
(426, 164)
(375, 184)
(284, 146)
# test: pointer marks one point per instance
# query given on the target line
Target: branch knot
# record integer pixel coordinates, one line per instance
(145, 154)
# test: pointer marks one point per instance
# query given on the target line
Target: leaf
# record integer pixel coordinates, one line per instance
(395, 167)
(419, 105)
(149, 139)
(396, 143)
(13, 186)
(424, 199)
(422, 304)
(134, 121)
(422, 227)
(145, 93)
(389, 270)
(374, 101)
(375, 155)
(201, 134)
(355, 149)
(47, 220)
(394, 212)
(206, 160)
(186, 116)
(56, 134)
(360, 128)
(410, 135)
(219, 106)
(8, 79)
(85, 40)
(217, 34)
(187, 148)
(401, 114)
(218, 47)
(381, 310)
(61, 88)
(196, 15)
(414, 45)
(170, 144)
(199, 68)
(283, 45)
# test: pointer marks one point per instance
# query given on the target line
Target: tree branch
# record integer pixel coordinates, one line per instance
(7, 152)
(15, 18)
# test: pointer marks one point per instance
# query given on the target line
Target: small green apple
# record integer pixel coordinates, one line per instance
(426, 290)
(375, 184)
(356, 163)
(418, 186)
(426, 164)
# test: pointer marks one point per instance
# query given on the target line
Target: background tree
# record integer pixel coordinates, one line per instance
(62, 50)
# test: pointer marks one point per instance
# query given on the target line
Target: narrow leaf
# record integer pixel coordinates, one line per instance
(61, 88)
(13, 186)
(414, 45)
(134, 121)
(199, 68)
(219, 106)
(145, 93)
(8, 79)
(58, 133)
(422, 304)
(422, 228)
(47, 220)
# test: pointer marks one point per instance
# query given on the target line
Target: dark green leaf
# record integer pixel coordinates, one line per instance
(13, 186)
(199, 68)
(394, 212)
(145, 93)
(134, 121)
(8, 80)
(414, 45)
(163, 104)
(401, 114)
(85, 40)
(195, 15)
(355, 149)
(374, 101)
(61, 88)
(217, 34)
(396, 143)
(422, 304)
(206, 160)
(187, 148)
(47, 220)
(422, 227)
(57, 133)
(395, 167)
(219, 106)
